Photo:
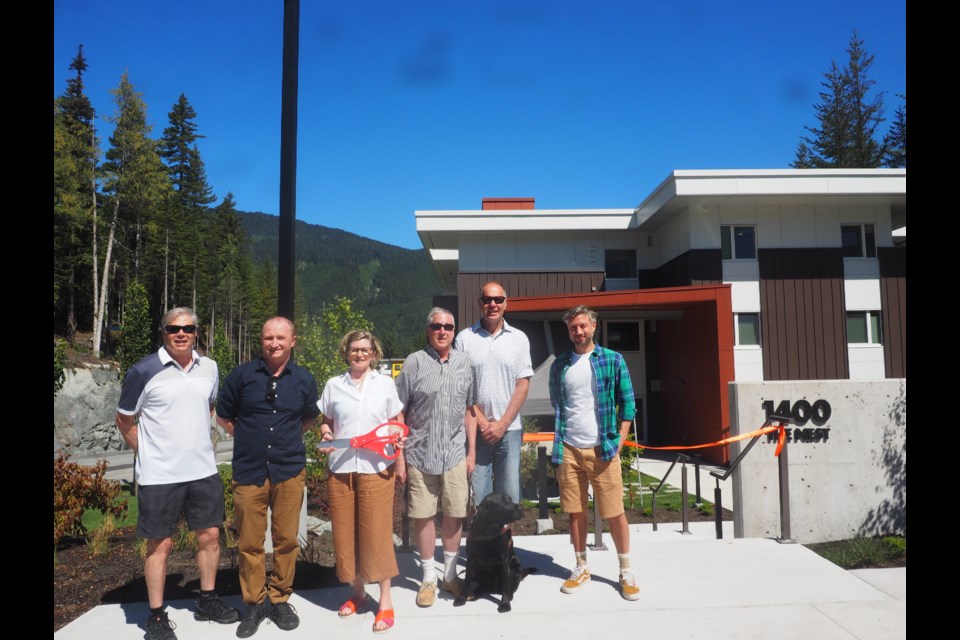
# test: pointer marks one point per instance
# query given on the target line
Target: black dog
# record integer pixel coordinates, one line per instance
(492, 563)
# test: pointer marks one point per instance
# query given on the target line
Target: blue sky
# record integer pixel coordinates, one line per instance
(430, 104)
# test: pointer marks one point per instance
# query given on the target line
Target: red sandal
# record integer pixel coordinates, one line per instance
(385, 616)
(351, 606)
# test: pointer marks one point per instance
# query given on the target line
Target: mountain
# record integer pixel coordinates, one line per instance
(394, 286)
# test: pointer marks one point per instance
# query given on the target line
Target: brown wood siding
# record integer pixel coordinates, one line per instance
(802, 316)
(893, 300)
(521, 283)
(697, 266)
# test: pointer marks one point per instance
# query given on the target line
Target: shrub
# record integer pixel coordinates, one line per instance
(77, 488)
(99, 542)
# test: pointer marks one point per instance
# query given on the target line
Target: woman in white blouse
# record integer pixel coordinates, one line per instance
(361, 485)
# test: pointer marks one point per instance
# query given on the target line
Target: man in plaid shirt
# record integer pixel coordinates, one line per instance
(594, 406)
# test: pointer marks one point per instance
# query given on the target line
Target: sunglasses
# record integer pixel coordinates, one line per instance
(489, 299)
(174, 329)
(271, 390)
(436, 326)
(363, 351)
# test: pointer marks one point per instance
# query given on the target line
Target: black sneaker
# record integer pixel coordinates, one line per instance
(159, 627)
(284, 616)
(213, 608)
(252, 617)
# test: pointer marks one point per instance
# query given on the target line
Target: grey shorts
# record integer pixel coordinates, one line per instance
(160, 505)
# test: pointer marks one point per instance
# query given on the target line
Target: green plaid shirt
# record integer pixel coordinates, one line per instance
(613, 394)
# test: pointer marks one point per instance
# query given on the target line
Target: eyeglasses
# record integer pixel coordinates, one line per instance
(363, 351)
(174, 329)
(271, 390)
(489, 299)
(436, 326)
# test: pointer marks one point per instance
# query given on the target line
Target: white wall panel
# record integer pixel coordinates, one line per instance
(769, 227)
(866, 361)
(828, 226)
(473, 252)
(704, 227)
(798, 227)
(862, 294)
(744, 296)
(857, 213)
(747, 364)
(531, 251)
(740, 270)
(562, 251)
(502, 252)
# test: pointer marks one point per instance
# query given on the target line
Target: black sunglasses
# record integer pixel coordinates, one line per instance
(489, 299)
(436, 326)
(174, 329)
(271, 389)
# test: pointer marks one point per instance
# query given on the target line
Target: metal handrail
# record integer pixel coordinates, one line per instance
(784, 480)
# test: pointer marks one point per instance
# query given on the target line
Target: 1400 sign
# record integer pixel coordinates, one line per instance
(802, 412)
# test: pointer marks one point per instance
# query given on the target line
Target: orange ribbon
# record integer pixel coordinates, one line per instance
(548, 437)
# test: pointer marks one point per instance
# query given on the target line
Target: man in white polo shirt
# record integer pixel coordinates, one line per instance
(164, 415)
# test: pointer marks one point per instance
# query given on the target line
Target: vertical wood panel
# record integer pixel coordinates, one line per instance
(801, 299)
(893, 300)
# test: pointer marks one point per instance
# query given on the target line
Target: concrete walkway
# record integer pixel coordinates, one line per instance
(692, 586)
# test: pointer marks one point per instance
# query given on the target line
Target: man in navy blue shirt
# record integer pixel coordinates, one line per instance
(266, 405)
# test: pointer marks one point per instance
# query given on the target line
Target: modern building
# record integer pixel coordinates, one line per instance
(746, 275)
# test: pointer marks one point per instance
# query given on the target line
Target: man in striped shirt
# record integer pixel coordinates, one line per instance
(594, 406)
(436, 387)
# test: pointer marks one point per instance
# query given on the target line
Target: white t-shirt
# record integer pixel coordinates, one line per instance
(356, 411)
(581, 405)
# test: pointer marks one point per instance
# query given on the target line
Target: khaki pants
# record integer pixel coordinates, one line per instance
(361, 507)
(250, 502)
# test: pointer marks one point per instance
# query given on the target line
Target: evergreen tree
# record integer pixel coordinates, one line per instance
(75, 156)
(136, 335)
(222, 352)
(135, 182)
(848, 117)
(186, 223)
(896, 139)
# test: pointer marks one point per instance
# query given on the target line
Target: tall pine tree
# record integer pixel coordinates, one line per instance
(75, 154)
(136, 185)
(896, 139)
(183, 237)
(848, 115)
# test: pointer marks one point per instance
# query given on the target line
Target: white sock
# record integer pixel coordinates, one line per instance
(624, 559)
(581, 557)
(429, 572)
(449, 566)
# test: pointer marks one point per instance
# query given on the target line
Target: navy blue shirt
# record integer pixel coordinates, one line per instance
(268, 434)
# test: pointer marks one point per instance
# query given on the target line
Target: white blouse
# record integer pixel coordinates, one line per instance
(356, 412)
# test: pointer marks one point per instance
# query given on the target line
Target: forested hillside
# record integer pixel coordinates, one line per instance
(394, 287)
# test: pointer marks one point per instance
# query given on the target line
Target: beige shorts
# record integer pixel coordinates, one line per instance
(425, 490)
(582, 465)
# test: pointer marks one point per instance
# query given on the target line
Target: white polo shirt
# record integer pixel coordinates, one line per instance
(173, 428)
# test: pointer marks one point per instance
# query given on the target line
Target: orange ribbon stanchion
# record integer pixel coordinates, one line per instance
(548, 437)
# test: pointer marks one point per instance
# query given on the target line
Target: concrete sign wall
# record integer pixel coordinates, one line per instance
(847, 458)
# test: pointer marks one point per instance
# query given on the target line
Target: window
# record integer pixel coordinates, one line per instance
(623, 336)
(746, 328)
(863, 327)
(738, 243)
(620, 263)
(858, 241)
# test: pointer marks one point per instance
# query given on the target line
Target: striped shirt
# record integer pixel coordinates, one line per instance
(614, 397)
(435, 396)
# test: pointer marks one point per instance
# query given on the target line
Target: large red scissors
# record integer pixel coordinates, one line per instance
(376, 440)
